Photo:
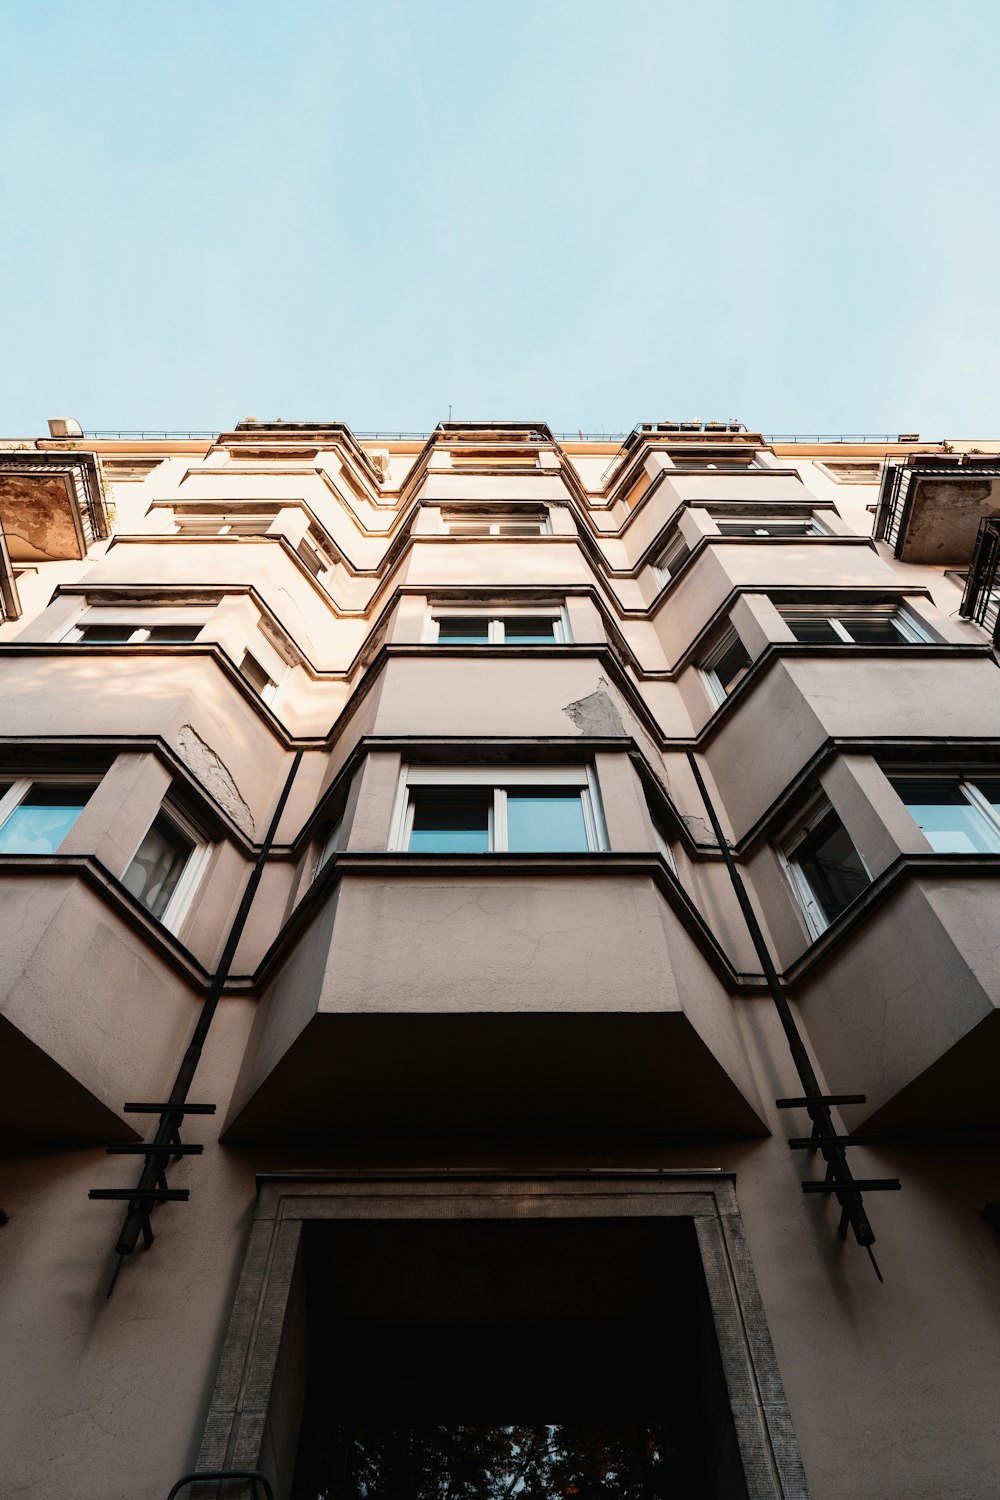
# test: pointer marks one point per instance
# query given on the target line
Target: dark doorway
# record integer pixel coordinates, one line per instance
(527, 1359)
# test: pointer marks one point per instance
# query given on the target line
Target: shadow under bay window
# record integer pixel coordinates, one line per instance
(443, 810)
(35, 816)
(826, 871)
(954, 815)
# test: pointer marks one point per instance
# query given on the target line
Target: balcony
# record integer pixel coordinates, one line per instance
(981, 600)
(520, 996)
(929, 508)
(51, 505)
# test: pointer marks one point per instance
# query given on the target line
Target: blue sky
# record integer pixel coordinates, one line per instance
(590, 213)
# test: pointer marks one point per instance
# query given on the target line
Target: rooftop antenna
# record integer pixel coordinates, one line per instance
(449, 411)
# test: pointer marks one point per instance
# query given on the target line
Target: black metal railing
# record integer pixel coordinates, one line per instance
(981, 600)
(896, 490)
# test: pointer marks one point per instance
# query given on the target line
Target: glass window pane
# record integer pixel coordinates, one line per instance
(731, 665)
(989, 786)
(42, 820)
(523, 630)
(107, 635)
(947, 820)
(154, 872)
(176, 635)
(811, 628)
(463, 630)
(872, 628)
(255, 673)
(545, 819)
(832, 866)
(766, 528)
(451, 820)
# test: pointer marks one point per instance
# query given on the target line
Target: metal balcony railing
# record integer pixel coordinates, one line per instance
(981, 600)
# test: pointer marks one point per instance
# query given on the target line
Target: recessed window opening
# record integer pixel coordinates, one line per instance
(825, 868)
(166, 866)
(116, 635)
(858, 625)
(724, 462)
(507, 629)
(493, 1359)
(673, 557)
(767, 526)
(257, 676)
(35, 816)
(240, 523)
(312, 550)
(445, 811)
(513, 524)
(725, 667)
(955, 815)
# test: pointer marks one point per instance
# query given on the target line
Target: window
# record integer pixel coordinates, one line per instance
(258, 677)
(825, 869)
(329, 845)
(119, 635)
(855, 471)
(446, 810)
(166, 867)
(673, 557)
(725, 667)
(881, 625)
(35, 816)
(486, 525)
(723, 462)
(247, 523)
(313, 553)
(544, 628)
(954, 815)
(768, 526)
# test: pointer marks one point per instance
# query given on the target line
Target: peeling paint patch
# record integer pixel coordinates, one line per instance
(596, 714)
(214, 776)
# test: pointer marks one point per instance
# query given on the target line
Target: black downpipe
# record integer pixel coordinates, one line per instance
(169, 1119)
(819, 1111)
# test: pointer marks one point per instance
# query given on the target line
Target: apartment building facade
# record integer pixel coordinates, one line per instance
(370, 952)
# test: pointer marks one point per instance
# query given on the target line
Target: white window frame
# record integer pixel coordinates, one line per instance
(968, 789)
(495, 617)
(815, 527)
(12, 799)
(716, 691)
(499, 778)
(495, 526)
(909, 629)
(815, 917)
(676, 543)
(176, 908)
(268, 693)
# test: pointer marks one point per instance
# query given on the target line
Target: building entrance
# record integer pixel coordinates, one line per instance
(500, 1359)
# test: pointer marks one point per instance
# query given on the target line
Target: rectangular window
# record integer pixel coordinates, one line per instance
(954, 815)
(514, 524)
(35, 816)
(444, 810)
(118, 635)
(826, 625)
(826, 870)
(257, 524)
(166, 867)
(257, 676)
(312, 551)
(673, 557)
(507, 629)
(722, 462)
(726, 666)
(768, 527)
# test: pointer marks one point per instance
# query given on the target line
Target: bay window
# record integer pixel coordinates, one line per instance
(826, 871)
(850, 624)
(539, 627)
(522, 810)
(166, 866)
